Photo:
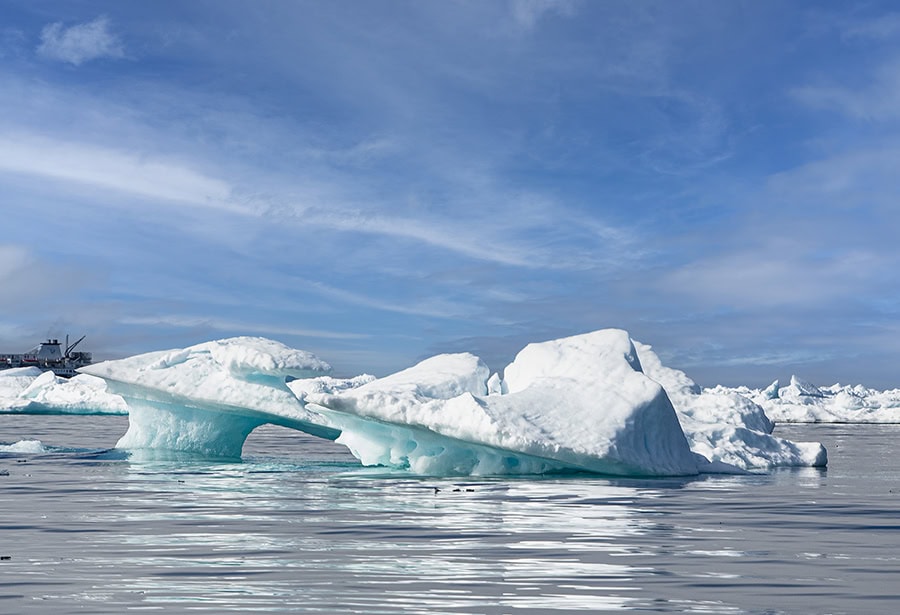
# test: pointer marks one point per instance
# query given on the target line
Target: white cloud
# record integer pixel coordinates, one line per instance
(435, 233)
(786, 357)
(879, 99)
(107, 168)
(777, 274)
(527, 13)
(883, 27)
(434, 307)
(231, 325)
(80, 43)
(512, 228)
(863, 177)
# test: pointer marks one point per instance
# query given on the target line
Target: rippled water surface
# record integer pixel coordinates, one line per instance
(298, 526)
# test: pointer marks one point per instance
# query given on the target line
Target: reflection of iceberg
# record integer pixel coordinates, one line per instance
(579, 403)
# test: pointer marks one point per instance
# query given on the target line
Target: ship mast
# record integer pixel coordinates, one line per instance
(72, 347)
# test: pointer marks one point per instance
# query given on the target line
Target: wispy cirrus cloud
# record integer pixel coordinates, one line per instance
(157, 178)
(879, 28)
(877, 98)
(80, 43)
(527, 13)
(436, 307)
(141, 175)
(862, 178)
(219, 324)
(775, 275)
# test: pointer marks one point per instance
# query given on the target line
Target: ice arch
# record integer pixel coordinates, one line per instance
(206, 399)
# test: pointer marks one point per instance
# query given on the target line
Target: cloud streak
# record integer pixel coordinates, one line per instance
(109, 169)
(879, 99)
(218, 324)
(80, 43)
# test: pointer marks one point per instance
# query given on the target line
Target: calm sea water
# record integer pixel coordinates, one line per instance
(298, 526)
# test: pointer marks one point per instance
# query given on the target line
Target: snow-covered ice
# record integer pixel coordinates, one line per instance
(580, 403)
(597, 402)
(29, 390)
(28, 447)
(207, 398)
(725, 428)
(803, 402)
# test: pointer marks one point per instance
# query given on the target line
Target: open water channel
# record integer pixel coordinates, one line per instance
(298, 526)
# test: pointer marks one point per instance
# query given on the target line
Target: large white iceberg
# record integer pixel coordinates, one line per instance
(596, 402)
(579, 403)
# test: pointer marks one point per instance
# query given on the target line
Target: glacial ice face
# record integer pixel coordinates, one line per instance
(207, 398)
(580, 403)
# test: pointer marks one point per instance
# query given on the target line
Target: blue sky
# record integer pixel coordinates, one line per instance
(381, 181)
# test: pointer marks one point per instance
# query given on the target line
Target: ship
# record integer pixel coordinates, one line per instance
(50, 356)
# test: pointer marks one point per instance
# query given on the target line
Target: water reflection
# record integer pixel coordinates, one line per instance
(307, 530)
(414, 544)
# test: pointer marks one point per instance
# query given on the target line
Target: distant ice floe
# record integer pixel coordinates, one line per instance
(28, 447)
(802, 402)
(726, 428)
(596, 402)
(28, 390)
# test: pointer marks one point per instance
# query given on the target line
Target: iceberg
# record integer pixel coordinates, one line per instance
(29, 390)
(597, 402)
(28, 447)
(580, 403)
(803, 402)
(727, 430)
(207, 398)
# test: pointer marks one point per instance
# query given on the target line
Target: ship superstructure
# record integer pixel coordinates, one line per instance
(50, 355)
